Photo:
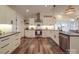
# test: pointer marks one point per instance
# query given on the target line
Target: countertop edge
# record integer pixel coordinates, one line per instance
(69, 34)
(9, 34)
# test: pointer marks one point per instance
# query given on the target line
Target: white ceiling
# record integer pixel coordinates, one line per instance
(59, 9)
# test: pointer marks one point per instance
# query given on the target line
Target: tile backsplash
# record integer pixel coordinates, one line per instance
(5, 28)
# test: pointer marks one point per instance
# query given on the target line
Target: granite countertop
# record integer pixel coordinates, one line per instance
(69, 33)
(8, 34)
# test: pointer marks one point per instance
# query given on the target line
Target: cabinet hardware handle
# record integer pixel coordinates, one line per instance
(5, 45)
(4, 39)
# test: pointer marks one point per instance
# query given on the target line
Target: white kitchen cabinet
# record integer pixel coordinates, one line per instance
(55, 36)
(4, 44)
(4, 50)
(46, 33)
(9, 44)
(52, 34)
(14, 45)
(30, 33)
(48, 21)
(32, 21)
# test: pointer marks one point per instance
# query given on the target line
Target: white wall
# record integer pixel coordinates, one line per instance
(7, 15)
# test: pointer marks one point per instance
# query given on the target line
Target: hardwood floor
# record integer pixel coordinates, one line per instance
(38, 46)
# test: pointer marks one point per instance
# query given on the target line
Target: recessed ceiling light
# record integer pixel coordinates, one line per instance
(27, 10)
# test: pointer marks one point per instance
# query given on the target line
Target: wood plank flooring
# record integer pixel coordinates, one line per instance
(38, 46)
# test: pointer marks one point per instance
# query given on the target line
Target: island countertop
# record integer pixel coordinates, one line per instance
(69, 33)
(8, 34)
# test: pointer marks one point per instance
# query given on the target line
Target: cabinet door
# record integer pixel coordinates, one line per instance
(31, 21)
(64, 42)
(45, 33)
(68, 46)
(60, 40)
(48, 21)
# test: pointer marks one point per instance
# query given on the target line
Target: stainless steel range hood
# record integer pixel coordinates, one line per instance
(38, 17)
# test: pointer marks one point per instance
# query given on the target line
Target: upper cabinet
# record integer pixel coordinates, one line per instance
(47, 21)
(32, 21)
(47, 18)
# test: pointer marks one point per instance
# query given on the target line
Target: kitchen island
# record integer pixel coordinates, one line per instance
(69, 41)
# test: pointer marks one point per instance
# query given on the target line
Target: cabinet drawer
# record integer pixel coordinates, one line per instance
(14, 37)
(14, 43)
(4, 43)
(13, 46)
(4, 49)
(64, 42)
(4, 39)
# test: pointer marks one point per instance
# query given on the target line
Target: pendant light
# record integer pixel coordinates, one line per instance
(70, 10)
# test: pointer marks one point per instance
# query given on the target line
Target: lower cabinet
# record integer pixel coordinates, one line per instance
(4, 49)
(9, 44)
(30, 33)
(64, 42)
(14, 45)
